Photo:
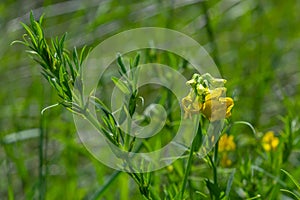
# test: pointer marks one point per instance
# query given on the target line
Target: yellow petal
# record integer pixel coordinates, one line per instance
(266, 146)
(275, 142)
(215, 94)
(229, 105)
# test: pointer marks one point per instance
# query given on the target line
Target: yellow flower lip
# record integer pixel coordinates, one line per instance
(217, 108)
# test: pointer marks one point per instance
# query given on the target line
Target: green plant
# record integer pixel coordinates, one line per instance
(223, 174)
(61, 69)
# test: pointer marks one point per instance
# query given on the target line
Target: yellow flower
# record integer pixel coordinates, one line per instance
(226, 143)
(207, 96)
(225, 161)
(216, 107)
(269, 141)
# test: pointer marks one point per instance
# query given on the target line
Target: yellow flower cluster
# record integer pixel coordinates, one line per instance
(226, 143)
(207, 96)
(269, 141)
(225, 161)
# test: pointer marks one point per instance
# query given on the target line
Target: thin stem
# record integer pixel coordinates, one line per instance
(127, 135)
(98, 126)
(190, 160)
(215, 161)
(43, 148)
(10, 191)
(187, 171)
(153, 195)
(101, 190)
(42, 179)
(211, 36)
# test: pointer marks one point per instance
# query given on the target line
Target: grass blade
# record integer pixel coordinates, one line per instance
(106, 185)
(292, 178)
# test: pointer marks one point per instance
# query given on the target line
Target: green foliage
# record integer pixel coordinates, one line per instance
(59, 68)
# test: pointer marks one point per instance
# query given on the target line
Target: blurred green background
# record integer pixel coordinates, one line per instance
(256, 45)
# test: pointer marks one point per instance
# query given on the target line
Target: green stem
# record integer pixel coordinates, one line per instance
(195, 143)
(10, 189)
(154, 195)
(187, 171)
(127, 135)
(43, 147)
(215, 161)
(101, 190)
(98, 126)
(211, 36)
(42, 178)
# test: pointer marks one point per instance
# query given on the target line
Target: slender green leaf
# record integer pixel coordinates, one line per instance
(292, 178)
(136, 60)
(31, 35)
(119, 83)
(39, 30)
(229, 183)
(121, 64)
(291, 193)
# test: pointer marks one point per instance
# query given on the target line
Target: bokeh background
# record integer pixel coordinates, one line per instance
(256, 45)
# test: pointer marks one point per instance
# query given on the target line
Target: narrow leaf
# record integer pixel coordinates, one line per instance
(39, 30)
(121, 64)
(136, 60)
(229, 183)
(32, 37)
(105, 186)
(31, 17)
(292, 178)
(120, 85)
